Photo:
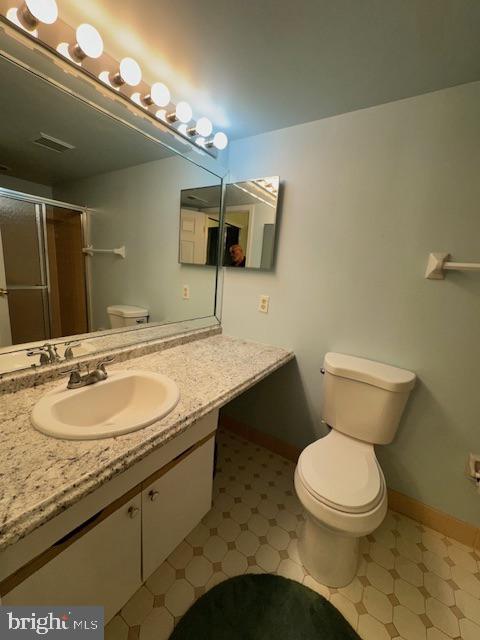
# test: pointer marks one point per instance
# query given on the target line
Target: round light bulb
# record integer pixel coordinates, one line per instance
(200, 141)
(45, 11)
(130, 72)
(89, 41)
(182, 129)
(204, 127)
(183, 112)
(220, 140)
(160, 94)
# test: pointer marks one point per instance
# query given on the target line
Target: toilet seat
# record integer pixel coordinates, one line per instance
(342, 473)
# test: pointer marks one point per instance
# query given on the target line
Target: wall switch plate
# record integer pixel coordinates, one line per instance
(186, 292)
(263, 303)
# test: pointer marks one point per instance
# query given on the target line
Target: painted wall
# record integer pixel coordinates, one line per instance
(26, 186)
(367, 195)
(139, 207)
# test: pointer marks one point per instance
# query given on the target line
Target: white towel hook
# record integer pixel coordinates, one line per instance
(89, 250)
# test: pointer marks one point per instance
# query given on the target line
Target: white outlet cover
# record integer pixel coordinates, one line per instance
(263, 303)
(185, 292)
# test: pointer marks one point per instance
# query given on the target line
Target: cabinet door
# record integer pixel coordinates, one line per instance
(174, 504)
(101, 567)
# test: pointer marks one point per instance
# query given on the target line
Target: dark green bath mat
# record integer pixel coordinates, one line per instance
(262, 607)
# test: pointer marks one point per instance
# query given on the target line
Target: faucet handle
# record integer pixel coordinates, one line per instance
(101, 363)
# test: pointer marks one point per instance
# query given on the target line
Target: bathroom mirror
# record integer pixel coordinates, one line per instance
(249, 225)
(88, 224)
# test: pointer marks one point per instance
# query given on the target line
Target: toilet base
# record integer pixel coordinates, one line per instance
(330, 557)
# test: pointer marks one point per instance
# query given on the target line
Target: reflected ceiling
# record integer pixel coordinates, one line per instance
(31, 106)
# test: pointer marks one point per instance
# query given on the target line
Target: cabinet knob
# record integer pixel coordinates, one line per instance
(153, 495)
(133, 512)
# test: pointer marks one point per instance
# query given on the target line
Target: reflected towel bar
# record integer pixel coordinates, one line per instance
(90, 251)
(438, 263)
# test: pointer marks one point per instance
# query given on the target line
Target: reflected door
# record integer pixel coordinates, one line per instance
(24, 270)
(5, 331)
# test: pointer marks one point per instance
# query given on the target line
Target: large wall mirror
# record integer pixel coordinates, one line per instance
(88, 223)
(249, 228)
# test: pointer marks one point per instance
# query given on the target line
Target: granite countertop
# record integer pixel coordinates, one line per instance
(41, 476)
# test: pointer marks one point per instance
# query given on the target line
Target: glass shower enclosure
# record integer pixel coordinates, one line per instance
(43, 284)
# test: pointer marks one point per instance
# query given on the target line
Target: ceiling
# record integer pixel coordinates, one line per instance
(255, 66)
(32, 106)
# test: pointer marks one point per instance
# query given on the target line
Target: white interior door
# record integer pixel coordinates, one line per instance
(5, 330)
(193, 237)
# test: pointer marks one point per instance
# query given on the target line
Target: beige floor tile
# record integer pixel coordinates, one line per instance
(234, 563)
(371, 629)
(158, 625)
(380, 578)
(382, 556)
(162, 579)
(138, 607)
(267, 558)
(468, 605)
(408, 624)
(179, 597)
(198, 571)
(409, 596)
(215, 549)
(442, 617)
(409, 577)
(346, 608)
(289, 569)
(469, 630)
(278, 538)
(116, 629)
(438, 588)
(181, 556)
(377, 604)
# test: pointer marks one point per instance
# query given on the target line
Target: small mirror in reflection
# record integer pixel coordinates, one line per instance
(249, 230)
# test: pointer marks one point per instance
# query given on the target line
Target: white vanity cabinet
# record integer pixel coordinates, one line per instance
(100, 564)
(174, 503)
(100, 550)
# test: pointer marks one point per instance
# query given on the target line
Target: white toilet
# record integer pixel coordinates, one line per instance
(338, 479)
(126, 315)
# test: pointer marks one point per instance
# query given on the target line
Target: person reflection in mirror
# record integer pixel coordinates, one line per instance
(237, 256)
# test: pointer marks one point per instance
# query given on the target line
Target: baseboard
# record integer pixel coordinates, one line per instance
(464, 532)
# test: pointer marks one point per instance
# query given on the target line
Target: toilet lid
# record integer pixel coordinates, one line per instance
(343, 473)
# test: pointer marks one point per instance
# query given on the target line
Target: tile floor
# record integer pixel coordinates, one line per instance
(412, 584)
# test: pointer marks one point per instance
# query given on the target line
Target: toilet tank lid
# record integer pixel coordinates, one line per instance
(127, 311)
(375, 373)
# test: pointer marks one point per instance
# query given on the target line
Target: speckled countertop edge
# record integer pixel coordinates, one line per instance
(199, 355)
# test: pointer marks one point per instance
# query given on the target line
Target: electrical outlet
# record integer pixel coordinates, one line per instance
(186, 292)
(263, 303)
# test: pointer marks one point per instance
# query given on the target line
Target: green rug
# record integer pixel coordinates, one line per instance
(262, 607)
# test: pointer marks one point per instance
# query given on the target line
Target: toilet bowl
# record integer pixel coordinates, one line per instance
(338, 478)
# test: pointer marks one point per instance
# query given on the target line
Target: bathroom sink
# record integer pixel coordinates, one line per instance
(124, 402)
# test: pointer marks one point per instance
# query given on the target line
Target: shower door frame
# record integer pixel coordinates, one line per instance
(41, 204)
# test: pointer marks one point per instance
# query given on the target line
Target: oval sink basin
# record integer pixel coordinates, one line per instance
(124, 402)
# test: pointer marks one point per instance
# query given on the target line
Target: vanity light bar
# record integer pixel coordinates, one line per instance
(89, 44)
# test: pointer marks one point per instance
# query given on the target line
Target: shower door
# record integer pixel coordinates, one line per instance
(24, 292)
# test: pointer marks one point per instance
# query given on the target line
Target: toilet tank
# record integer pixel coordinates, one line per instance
(126, 315)
(364, 399)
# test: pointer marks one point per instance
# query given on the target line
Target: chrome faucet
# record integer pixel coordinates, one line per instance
(76, 379)
(69, 346)
(48, 354)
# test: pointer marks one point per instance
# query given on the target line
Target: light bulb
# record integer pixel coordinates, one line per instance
(182, 129)
(89, 42)
(161, 114)
(34, 11)
(13, 15)
(128, 73)
(183, 112)
(200, 141)
(220, 140)
(159, 95)
(204, 127)
(64, 49)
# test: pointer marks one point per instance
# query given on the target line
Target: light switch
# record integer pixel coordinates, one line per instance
(186, 292)
(263, 303)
